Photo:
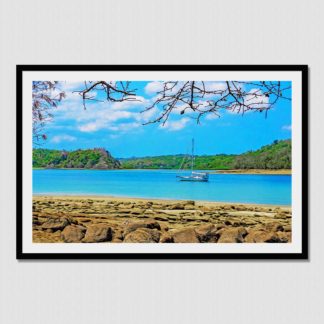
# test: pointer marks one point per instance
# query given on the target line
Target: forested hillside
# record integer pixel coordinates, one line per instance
(97, 158)
(274, 156)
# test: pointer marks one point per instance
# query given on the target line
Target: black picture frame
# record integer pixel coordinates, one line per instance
(20, 255)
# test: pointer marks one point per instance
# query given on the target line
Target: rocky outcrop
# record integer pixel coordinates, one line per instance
(106, 220)
(56, 223)
(259, 236)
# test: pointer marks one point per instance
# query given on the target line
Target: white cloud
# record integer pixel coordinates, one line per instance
(211, 116)
(133, 104)
(286, 127)
(63, 138)
(215, 86)
(153, 87)
(91, 127)
(175, 125)
(124, 127)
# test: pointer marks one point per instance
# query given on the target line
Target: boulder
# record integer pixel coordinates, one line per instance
(232, 235)
(56, 223)
(98, 233)
(207, 233)
(259, 236)
(73, 234)
(143, 235)
(150, 223)
(187, 235)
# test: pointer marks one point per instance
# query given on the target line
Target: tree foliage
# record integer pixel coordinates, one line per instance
(97, 158)
(274, 156)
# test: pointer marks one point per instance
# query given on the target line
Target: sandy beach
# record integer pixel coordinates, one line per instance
(93, 219)
(256, 171)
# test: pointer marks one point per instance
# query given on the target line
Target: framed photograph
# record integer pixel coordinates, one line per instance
(162, 162)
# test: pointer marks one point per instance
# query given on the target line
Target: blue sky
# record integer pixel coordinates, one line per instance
(118, 126)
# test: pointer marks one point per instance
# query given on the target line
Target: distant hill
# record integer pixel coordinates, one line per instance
(96, 158)
(274, 156)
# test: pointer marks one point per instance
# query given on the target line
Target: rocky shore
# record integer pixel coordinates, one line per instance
(71, 219)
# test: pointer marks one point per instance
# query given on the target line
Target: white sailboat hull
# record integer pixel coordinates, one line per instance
(198, 177)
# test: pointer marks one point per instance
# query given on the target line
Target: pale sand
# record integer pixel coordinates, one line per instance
(160, 200)
(255, 171)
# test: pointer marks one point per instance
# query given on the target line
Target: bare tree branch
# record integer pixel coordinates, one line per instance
(114, 91)
(45, 96)
(200, 98)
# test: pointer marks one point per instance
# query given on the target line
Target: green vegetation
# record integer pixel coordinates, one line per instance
(274, 156)
(204, 162)
(97, 158)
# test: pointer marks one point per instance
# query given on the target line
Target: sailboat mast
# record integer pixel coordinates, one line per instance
(192, 155)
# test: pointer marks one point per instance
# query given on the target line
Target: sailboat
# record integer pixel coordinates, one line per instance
(194, 176)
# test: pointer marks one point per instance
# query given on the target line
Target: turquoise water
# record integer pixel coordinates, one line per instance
(260, 189)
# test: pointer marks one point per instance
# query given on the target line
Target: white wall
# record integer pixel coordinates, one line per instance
(152, 32)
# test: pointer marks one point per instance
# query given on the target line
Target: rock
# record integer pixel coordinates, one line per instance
(176, 207)
(187, 235)
(166, 238)
(227, 222)
(55, 224)
(98, 233)
(232, 235)
(116, 240)
(274, 227)
(118, 234)
(285, 237)
(73, 234)
(136, 211)
(207, 233)
(259, 236)
(189, 207)
(150, 223)
(161, 219)
(287, 228)
(281, 215)
(143, 235)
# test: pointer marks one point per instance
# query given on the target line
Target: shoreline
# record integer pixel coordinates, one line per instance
(164, 200)
(255, 171)
(211, 171)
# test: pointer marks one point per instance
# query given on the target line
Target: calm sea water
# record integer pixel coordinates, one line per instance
(261, 189)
